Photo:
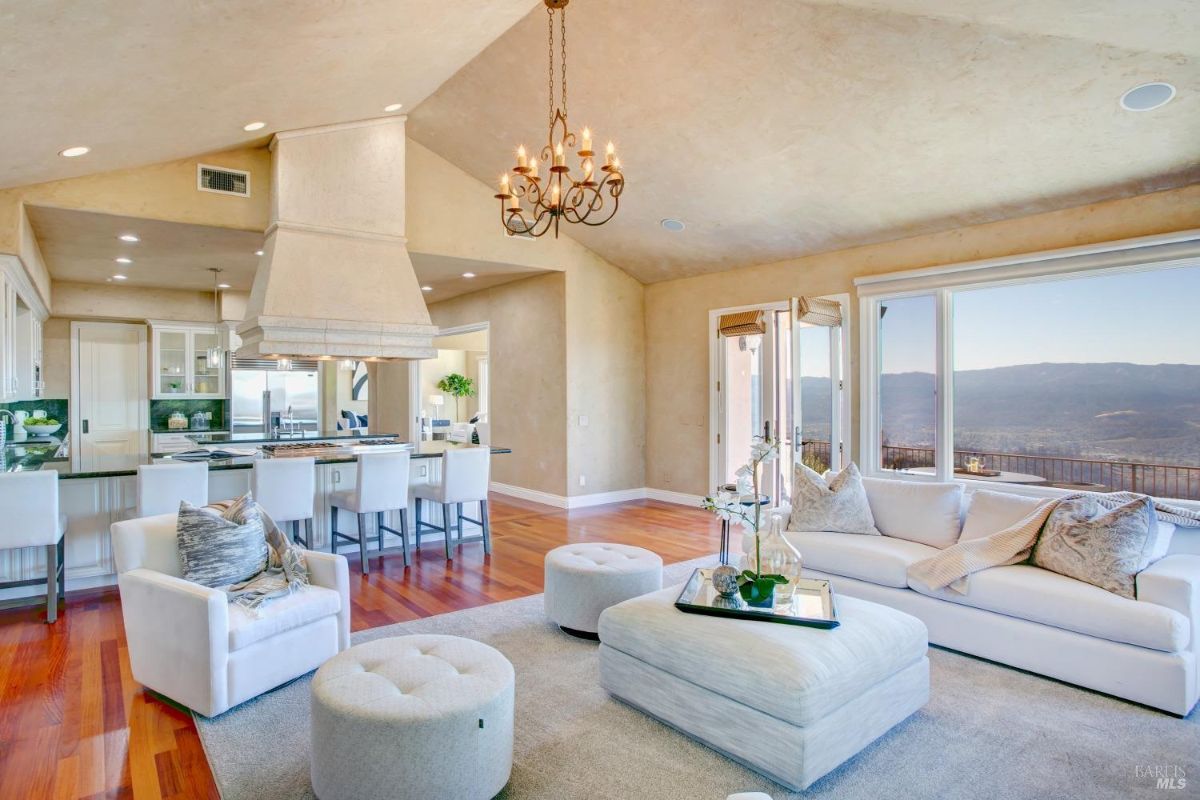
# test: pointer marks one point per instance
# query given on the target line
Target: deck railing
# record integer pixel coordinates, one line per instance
(1159, 480)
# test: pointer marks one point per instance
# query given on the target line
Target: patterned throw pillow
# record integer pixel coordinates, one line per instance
(839, 504)
(218, 549)
(1105, 548)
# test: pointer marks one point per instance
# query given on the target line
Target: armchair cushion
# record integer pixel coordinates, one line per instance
(283, 614)
(218, 549)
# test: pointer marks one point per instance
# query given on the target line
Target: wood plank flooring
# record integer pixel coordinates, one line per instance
(74, 724)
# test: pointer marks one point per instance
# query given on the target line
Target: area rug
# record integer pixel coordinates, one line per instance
(988, 732)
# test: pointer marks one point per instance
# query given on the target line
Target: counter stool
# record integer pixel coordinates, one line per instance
(160, 487)
(464, 480)
(382, 486)
(284, 488)
(29, 505)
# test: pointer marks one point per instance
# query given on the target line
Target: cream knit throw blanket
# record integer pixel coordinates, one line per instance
(1014, 544)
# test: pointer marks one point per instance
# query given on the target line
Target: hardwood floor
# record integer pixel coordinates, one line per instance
(74, 723)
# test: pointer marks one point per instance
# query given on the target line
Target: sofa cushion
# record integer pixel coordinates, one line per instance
(878, 559)
(1164, 532)
(839, 504)
(992, 512)
(1106, 547)
(283, 614)
(928, 513)
(1031, 593)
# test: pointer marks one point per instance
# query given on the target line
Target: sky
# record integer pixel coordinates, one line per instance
(1136, 317)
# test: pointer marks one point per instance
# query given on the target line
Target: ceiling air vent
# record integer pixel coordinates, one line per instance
(222, 180)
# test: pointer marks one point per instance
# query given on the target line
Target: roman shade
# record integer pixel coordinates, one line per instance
(743, 323)
(819, 311)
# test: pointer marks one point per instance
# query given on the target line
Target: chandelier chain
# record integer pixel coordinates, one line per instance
(563, 39)
(550, 61)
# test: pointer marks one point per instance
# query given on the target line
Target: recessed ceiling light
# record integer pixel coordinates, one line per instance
(394, 107)
(426, 288)
(129, 237)
(118, 277)
(254, 126)
(1148, 96)
(468, 274)
(222, 285)
(258, 252)
(123, 260)
(672, 225)
(74, 152)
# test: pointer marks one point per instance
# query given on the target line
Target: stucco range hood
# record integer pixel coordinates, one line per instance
(335, 277)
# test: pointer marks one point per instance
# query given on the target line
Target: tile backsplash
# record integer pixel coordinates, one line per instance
(160, 410)
(54, 408)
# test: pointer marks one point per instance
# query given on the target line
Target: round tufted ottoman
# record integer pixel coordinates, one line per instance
(584, 579)
(412, 717)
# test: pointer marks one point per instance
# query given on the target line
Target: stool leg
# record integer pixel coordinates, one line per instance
(404, 533)
(459, 515)
(446, 527)
(365, 566)
(296, 531)
(333, 529)
(487, 527)
(379, 529)
(62, 569)
(417, 532)
(308, 533)
(52, 582)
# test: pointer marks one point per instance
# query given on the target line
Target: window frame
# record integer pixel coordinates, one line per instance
(1144, 254)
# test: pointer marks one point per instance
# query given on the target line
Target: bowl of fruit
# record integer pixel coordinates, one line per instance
(42, 426)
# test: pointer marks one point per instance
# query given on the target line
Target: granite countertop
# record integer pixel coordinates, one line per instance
(256, 437)
(116, 466)
(188, 430)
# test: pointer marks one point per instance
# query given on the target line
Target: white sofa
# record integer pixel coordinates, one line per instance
(187, 643)
(1144, 650)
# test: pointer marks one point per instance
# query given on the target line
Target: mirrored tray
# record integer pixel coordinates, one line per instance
(811, 604)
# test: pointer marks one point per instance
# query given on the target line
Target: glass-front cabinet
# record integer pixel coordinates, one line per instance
(181, 367)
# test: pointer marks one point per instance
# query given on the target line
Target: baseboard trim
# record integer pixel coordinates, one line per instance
(678, 498)
(597, 498)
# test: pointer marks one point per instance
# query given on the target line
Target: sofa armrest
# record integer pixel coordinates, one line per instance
(178, 635)
(333, 572)
(1174, 582)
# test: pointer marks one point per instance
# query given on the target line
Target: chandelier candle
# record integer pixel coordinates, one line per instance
(531, 207)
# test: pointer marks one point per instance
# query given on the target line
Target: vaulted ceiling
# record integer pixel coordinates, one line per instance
(771, 128)
(776, 128)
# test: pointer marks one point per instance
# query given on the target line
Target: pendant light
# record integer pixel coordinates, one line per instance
(216, 355)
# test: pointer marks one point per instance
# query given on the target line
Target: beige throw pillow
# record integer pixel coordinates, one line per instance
(839, 504)
(1105, 548)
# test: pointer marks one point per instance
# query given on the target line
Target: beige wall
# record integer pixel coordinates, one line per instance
(56, 357)
(677, 435)
(527, 351)
(115, 301)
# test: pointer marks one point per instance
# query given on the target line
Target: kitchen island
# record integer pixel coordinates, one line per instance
(105, 490)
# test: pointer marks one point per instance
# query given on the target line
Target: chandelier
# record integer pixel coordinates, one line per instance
(532, 205)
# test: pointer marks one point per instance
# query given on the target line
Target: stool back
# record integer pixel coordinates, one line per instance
(285, 487)
(465, 474)
(29, 507)
(161, 487)
(383, 481)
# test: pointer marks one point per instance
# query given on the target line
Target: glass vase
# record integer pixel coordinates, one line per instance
(780, 557)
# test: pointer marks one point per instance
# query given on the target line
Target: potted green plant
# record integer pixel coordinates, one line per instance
(755, 587)
(457, 386)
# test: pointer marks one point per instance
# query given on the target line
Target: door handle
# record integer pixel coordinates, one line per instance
(84, 424)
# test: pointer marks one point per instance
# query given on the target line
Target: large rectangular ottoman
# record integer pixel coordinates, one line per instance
(790, 702)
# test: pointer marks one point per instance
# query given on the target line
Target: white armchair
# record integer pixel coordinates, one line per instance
(188, 644)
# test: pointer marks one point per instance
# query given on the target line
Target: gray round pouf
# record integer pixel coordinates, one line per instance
(584, 579)
(412, 717)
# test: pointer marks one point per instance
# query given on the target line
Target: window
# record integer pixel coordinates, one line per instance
(1075, 381)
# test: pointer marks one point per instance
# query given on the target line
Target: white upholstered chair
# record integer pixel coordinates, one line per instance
(285, 488)
(464, 480)
(188, 643)
(29, 505)
(381, 486)
(160, 487)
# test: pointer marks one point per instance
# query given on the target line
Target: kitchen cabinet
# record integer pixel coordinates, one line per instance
(170, 443)
(180, 366)
(20, 346)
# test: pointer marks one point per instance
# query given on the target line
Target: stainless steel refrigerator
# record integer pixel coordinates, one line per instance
(297, 390)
